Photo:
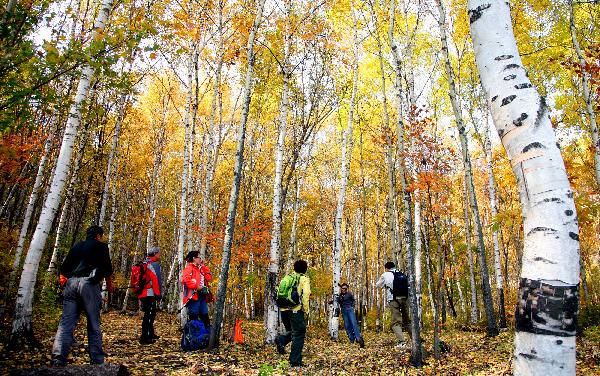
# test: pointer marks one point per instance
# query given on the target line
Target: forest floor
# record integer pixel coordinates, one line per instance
(471, 353)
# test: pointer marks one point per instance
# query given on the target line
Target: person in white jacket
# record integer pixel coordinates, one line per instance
(386, 281)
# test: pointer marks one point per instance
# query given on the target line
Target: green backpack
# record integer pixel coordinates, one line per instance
(287, 292)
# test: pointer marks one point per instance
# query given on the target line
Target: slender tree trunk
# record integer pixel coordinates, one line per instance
(454, 266)
(474, 310)
(492, 329)
(154, 179)
(111, 245)
(235, 187)
(343, 183)
(585, 91)
(271, 283)
(545, 333)
(294, 232)
(37, 185)
(418, 273)
(24, 307)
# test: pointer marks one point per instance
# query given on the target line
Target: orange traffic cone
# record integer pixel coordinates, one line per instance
(238, 337)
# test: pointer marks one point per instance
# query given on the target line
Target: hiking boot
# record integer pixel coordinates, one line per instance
(146, 341)
(58, 363)
(361, 342)
(280, 347)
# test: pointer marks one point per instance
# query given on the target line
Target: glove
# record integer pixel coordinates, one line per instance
(62, 280)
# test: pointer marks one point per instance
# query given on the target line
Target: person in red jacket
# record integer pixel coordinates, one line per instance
(150, 295)
(194, 278)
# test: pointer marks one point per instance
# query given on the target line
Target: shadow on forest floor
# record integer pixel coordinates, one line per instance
(470, 352)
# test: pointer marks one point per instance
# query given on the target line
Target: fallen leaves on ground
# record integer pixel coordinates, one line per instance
(471, 353)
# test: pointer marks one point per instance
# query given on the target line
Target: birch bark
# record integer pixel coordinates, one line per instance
(585, 91)
(23, 307)
(271, 283)
(548, 298)
(492, 329)
(343, 183)
(235, 187)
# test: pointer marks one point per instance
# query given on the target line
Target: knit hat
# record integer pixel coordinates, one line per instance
(152, 251)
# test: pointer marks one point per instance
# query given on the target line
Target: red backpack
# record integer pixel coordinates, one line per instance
(137, 282)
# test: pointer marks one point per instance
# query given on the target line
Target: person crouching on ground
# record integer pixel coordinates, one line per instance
(150, 295)
(194, 289)
(346, 302)
(293, 319)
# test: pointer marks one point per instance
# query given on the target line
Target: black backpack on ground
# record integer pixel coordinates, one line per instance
(400, 285)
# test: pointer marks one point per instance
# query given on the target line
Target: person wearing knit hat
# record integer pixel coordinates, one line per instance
(150, 295)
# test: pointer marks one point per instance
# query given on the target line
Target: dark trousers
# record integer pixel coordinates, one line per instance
(149, 309)
(295, 331)
(80, 295)
(350, 324)
(198, 309)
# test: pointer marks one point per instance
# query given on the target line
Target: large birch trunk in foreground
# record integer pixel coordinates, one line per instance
(235, 186)
(548, 298)
(24, 307)
(271, 285)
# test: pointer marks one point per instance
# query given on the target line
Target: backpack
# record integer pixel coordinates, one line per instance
(195, 336)
(287, 292)
(400, 285)
(137, 282)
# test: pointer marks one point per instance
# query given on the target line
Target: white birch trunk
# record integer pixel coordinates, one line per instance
(29, 211)
(111, 156)
(184, 179)
(111, 237)
(235, 187)
(271, 283)
(24, 307)
(474, 309)
(492, 329)
(418, 273)
(585, 91)
(190, 175)
(545, 333)
(292, 248)
(343, 183)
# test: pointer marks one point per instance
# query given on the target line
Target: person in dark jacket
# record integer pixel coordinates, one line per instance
(150, 295)
(84, 268)
(346, 302)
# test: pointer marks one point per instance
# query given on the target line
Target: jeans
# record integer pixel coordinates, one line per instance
(351, 325)
(198, 309)
(80, 295)
(295, 328)
(149, 309)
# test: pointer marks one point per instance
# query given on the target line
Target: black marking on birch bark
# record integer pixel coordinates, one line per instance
(503, 57)
(558, 145)
(519, 121)
(533, 351)
(541, 111)
(546, 309)
(475, 14)
(544, 260)
(570, 195)
(528, 356)
(500, 132)
(538, 229)
(559, 341)
(510, 77)
(553, 199)
(533, 145)
(574, 236)
(525, 85)
(569, 212)
(507, 100)
(494, 98)
(512, 66)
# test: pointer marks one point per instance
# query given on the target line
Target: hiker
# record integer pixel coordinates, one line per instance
(150, 295)
(396, 304)
(346, 302)
(293, 318)
(84, 268)
(194, 288)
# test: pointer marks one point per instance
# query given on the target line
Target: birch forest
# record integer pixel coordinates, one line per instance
(456, 138)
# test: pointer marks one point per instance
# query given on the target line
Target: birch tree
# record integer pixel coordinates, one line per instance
(271, 284)
(492, 329)
(23, 307)
(548, 297)
(237, 175)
